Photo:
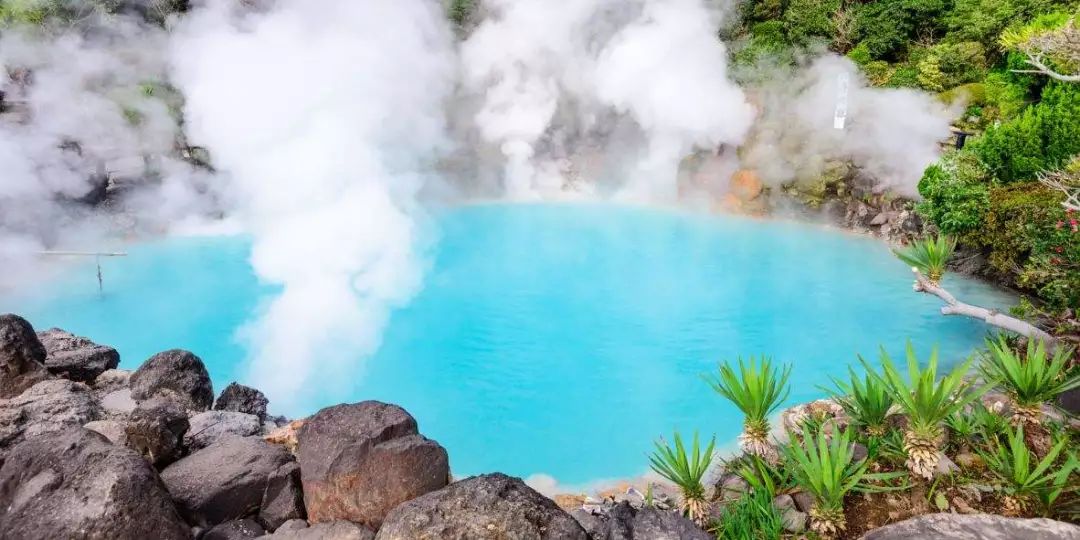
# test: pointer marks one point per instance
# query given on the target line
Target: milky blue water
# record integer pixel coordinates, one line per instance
(555, 339)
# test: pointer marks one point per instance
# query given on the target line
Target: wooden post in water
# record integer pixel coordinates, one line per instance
(97, 255)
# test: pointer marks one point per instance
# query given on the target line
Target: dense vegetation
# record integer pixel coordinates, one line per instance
(981, 53)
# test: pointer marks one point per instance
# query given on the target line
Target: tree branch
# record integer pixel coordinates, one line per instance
(1045, 70)
(992, 317)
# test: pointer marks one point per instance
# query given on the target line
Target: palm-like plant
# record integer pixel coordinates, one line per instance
(927, 401)
(825, 467)
(866, 400)
(1028, 479)
(685, 471)
(1032, 380)
(929, 256)
(757, 389)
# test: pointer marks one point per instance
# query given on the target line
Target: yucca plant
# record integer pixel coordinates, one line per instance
(750, 517)
(685, 471)
(927, 401)
(1027, 479)
(1031, 380)
(964, 428)
(991, 424)
(825, 467)
(760, 475)
(866, 400)
(757, 389)
(929, 256)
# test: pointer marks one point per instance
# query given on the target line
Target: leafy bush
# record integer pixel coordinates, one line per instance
(1031, 237)
(809, 21)
(904, 76)
(750, 517)
(686, 471)
(1045, 136)
(887, 27)
(984, 20)
(766, 477)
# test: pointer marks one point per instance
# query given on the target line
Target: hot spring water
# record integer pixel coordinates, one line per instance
(553, 339)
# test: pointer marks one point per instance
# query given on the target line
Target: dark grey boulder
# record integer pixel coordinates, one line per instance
(156, 430)
(48, 406)
(359, 461)
(331, 530)
(491, 506)
(239, 529)
(75, 484)
(624, 522)
(209, 426)
(74, 357)
(22, 357)
(244, 399)
(175, 375)
(975, 527)
(283, 499)
(224, 481)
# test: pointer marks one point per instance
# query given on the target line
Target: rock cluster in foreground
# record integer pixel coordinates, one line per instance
(90, 451)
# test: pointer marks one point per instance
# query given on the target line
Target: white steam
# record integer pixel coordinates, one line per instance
(326, 118)
(638, 84)
(891, 134)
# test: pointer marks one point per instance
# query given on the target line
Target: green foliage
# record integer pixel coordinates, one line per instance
(929, 256)
(1045, 136)
(887, 27)
(963, 426)
(750, 517)
(682, 469)
(1004, 95)
(990, 424)
(461, 10)
(929, 75)
(904, 76)
(866, 400)
(926, 399)
(1035, 378)
(1025, 476)
(757, 389)
(1031, 237)
(762, 476)
(810, 21)
(984, 20)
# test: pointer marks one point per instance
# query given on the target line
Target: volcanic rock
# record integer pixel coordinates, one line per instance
(975, 527)
(491, 506)
(207, 427)
(359, 461)
(48, 406)
(174, 375)
(283, 499)
(75, 484)
(74, 357)
(624, 522)
(22, 357)
(239, 529)
(224, 481)
(156, 431)
(240, 398)
(332, 530)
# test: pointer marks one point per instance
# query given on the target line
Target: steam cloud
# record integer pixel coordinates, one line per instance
(326, 117)
(330, 122)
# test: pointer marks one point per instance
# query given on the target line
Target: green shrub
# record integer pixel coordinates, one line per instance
(1004, 96)
(810, 21)
(956, 194)
(750, 517)
(758, 389)
(887, 27)
(984, 20)
(904, 76)
(685, 469)
(866, 400)
(929, 75)
(1030, 237)
(929, 256)
(1027, 479)
(1044, 137)
(1032, 379)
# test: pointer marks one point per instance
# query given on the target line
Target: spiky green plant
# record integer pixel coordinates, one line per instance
(757, 389)
(990, 424)
(761, 475)
(825, 467)
(964, 427)
(1032, 379)
(685, 471)
(929, 256)
(1028, 479)
(927, 401)
(866, 400)
(750, 517)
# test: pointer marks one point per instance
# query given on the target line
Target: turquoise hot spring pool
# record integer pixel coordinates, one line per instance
(554, 339)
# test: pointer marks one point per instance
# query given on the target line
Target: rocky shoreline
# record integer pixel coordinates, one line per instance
(91, 451)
